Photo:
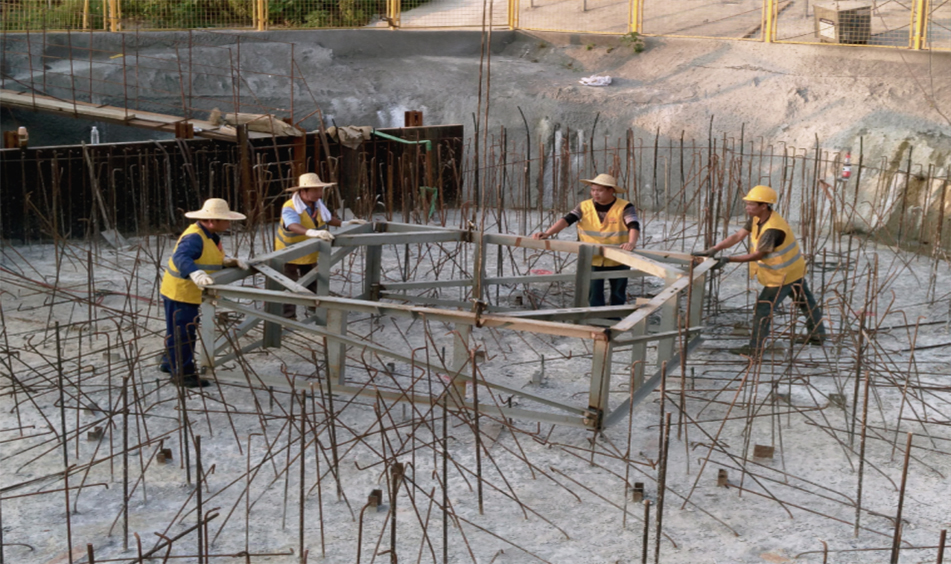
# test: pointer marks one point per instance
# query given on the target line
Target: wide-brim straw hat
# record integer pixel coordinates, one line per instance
(215, 208)
(604, 180)
(309, 180)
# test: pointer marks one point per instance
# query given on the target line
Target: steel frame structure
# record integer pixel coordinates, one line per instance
(682, 282)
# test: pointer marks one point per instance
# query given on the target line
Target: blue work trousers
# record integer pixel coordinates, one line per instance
(618, 287)
(181, 335)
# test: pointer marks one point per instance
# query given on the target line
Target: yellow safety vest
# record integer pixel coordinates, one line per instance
(285, 238)
(611, 232)
(179, 287)
(785, 264)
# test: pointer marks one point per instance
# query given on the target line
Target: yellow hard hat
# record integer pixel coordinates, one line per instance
(763, 194)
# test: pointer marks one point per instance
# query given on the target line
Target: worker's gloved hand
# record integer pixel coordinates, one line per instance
(229, 262)
(356, 221)
(321, 234)
(201, 279)
(721, 262)
(704, 253)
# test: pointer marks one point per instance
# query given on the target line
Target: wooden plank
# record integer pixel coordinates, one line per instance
(667, 256)
(641, 263)
(633, 260)
(657, 301)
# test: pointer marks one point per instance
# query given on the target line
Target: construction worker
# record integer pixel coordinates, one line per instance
(777, 263)
(304, 216)
(605, 219)
(197, 252)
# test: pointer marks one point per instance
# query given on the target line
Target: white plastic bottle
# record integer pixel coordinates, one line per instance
(94, 136)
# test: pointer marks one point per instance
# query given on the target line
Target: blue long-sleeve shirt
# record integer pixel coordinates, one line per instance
(189, 249)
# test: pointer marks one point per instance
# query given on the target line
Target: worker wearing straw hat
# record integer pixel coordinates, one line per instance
(197, 252)
(305, 216)
(778, 265)
(605, 219)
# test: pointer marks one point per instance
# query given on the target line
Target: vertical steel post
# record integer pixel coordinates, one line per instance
(583, 275)
(206, 332)
(337, 352)
(460, 356)
(639, 353)
(668, 323)
(600, 383)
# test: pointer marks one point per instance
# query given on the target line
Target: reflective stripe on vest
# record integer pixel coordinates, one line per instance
(784, 265)
(205, 267)
(180, 288)
(608, 232)
(284, 238)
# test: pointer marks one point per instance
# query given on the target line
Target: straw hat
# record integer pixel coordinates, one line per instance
(215, 208)
(309, 180)
(605, 180)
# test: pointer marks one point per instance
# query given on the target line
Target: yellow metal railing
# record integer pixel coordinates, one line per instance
(919, 24)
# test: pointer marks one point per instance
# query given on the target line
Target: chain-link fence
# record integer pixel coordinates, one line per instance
(734, 19)
(36, 15)
(582, 16)
(910, 24)
(938, 27)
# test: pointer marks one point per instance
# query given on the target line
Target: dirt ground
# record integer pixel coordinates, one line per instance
(781, 95)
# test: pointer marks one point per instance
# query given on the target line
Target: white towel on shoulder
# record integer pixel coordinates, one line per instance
(301, 207)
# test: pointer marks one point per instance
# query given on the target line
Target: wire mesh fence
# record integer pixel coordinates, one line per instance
(938, 26)
(585, 16)
(453, 13)
(36, 15)
(734, 19)
(915, 24)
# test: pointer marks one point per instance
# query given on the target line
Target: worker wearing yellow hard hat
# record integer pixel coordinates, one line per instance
(776, 261)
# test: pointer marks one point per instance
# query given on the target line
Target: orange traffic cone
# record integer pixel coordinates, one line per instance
(847, 166)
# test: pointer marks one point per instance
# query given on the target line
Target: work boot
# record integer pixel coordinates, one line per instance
(814, 339)
(192, 381)
(746, 350)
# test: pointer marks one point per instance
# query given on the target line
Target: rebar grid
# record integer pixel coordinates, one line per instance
(81, 335)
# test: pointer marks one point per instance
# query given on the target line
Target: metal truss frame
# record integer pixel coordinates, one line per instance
(683, 282)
